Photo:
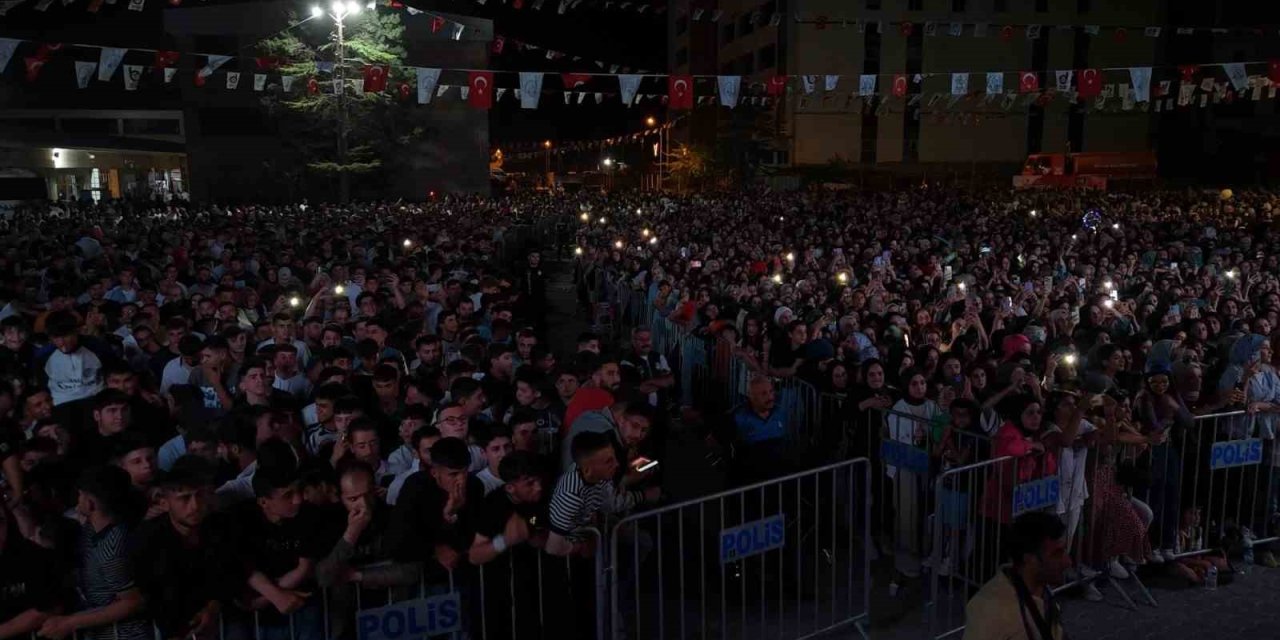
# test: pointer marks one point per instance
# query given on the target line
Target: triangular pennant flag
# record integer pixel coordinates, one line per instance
(830, 82)
(1092, 29)
(980, 30)
(427, 80)
(582, 95)
(959, 84)
(599, 97)
(613, 68)
(1062, 79)
(1141, 79)
(464, 92)
(530, 89)
(259, 81)
(715, 15)
(108, 61)
(1206, 85)
(43, 5)
(1151, 32)
(809, 83)
(1186, 93)
(697, 14)
(930, 29)
(458, 28)
(775, 19)
(215, 61)
(34, 65)
(437, 23)
(233, 80)
(7, 47)
(441, 90)
(84, 72)
(1126, 98)
(1033, 31)
(169, 73)
(955, 29)
(324, 66)
(132, 73)
(995, 83)
(867, 84)
(730, 86)
(286, 83)
(568, 95)
(1237, 74)
(629, 84)
(137, 5)
(497, 95)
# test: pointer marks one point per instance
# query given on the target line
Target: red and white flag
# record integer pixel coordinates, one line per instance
(899, 85)
(1028, 81)
(1088, 83)
(777, 86)
(680, 91)
(481, 94)
(574, 80)
(375, 78)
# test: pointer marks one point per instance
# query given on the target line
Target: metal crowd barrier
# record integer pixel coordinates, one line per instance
(787, 558)
(524, 593)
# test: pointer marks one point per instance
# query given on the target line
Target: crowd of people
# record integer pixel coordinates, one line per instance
(212, 416)
(1080, 332)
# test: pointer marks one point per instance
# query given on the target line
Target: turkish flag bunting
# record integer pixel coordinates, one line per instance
(906, 28)
(1188, 72)
(481, 95)
(165, 59)
(200, 78)
(1006, 33)
(437, 23)
(34, 65)
(498, 43)
(680, 91)
(1089, 83)
(517, 4)
(268, 63)
(313, 86)
(574, 80)
(1028, 81)
(777, 86)
(1273, 71)
(899, 85)
(1122, 34)
(405, 91)
(375, 78)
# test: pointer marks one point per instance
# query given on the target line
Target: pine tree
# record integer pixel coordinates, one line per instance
(376, 126)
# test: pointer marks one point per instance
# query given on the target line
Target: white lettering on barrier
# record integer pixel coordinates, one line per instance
(1036, 495)
(411, 619)
(752, 538)
(1235, 453)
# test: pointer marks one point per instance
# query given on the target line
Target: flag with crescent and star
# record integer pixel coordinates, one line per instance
(481, 94)
(680, 91)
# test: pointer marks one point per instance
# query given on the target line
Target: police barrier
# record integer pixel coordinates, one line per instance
(974, 506)
(787, 558)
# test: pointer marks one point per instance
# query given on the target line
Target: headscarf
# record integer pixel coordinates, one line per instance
(1244, 350)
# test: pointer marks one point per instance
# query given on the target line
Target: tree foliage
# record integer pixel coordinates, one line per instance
(379, 125)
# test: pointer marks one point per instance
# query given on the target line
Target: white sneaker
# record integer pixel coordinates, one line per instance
(1169, 555)
(1154, 557)
(1088, 572)
(1091, 593)
(1117, 570)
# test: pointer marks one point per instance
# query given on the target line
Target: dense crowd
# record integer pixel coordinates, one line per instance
(213, 415)
(1080, 332)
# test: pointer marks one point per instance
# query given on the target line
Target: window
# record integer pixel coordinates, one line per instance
(957, 6)
(1042, 6)
(915, 5)
(682, 56)
(873, 5)
(744, 24)
(768, 57)
(682, 24)
(999, 6)
(726, 32)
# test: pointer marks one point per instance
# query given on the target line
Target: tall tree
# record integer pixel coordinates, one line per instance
(341, 130)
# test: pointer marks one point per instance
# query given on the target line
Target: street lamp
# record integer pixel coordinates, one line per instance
(338, 12)
(546, 145)
(608, 162)
(650, 121)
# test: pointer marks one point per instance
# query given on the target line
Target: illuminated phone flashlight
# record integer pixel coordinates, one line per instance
(1074, 236)
(617, 244)
(1109, 303)
(653, 240)
(585, 216)
(577, 251)
(637, 210)
(1108, 285)
(1231, 275)
(777, 278)
(644, 232)
(961, 285)
(1069, 359)
(1115, 225)
(1033, 213)
(294, 301)
(339, 290)
(842, 277)
(791, 257)
(408, 243)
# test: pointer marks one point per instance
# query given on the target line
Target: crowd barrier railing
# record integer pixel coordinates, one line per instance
(788, 557)
(525, 593)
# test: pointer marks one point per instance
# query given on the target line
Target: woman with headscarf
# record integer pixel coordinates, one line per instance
(910, 423)
(1020, 438)
(1251, 375)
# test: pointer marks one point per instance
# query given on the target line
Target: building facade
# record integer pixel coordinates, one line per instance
(760, 39)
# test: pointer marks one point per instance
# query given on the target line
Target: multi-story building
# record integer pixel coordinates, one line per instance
(760, 39)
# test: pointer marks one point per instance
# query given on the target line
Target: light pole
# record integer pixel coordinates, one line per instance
(338, 12)
(649, 122)
(546, 146)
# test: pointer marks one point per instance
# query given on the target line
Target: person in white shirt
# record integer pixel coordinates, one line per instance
(73, 371)
(415, 417)
(495, 441)
(283, 332)
(288, 378)
(178, 370)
